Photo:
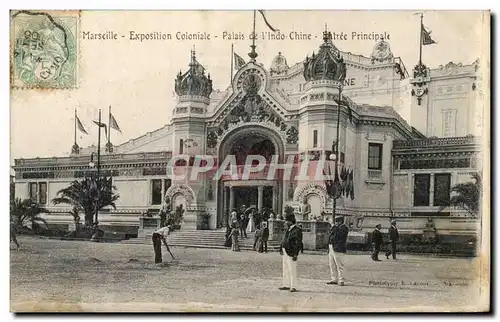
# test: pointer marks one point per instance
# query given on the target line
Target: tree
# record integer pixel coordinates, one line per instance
(26, 211)
(80, 195)
(467, 195)
(12, 190)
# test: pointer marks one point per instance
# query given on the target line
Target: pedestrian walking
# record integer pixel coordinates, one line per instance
(377, 241)
(289, 249)
(393, 239)
(337, 251)
(159, 236)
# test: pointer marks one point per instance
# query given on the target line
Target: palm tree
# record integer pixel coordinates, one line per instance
(26, 211)
(80, 195)
(467, 195)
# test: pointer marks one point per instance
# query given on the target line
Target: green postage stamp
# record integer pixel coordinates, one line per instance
(44, 49)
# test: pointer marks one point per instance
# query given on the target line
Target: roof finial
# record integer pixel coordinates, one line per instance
(325, 33)
(193, 53)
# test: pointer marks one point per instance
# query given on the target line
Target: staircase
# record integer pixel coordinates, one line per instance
(204, 239)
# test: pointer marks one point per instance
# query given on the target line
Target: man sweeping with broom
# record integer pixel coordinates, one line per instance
(159, 236)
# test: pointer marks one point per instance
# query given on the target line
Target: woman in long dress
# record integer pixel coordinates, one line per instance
(235, 246)
(251, 223)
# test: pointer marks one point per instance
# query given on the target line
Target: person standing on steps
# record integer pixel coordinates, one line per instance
(265, 236)
(289, 250)
(377, 241)
(393, 239)
(159, 236)
(257, 239)
(235, 246)
(337, 251)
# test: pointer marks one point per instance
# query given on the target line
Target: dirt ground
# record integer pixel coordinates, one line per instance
(53, 275)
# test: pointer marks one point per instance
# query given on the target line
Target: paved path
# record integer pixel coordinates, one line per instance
(51, 275)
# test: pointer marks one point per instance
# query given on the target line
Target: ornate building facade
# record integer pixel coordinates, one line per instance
(407, 138)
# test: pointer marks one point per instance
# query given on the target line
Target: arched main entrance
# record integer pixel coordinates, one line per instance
(258, 190)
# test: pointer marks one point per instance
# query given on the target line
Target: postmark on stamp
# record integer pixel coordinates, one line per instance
(44, 49)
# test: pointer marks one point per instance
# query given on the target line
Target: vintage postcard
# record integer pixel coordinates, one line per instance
(249, 161)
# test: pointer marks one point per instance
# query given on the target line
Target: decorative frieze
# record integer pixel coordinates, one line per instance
(130, 172)
(435, 142)
(38, 175)
(154, 171)
(435, 163)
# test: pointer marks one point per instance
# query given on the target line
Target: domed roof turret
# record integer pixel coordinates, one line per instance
(278, 65)
(327, 64)
(381, 52)
(193, 82)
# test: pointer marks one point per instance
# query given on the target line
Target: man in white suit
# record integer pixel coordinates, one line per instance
(290, 248)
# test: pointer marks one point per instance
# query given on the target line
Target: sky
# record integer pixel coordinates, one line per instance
(137, 78)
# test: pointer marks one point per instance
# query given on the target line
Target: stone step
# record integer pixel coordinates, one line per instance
(203, 239)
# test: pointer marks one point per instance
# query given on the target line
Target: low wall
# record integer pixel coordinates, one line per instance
(314, 233)
(147, 225)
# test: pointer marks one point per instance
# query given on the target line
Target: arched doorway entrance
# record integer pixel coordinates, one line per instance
(258, 190)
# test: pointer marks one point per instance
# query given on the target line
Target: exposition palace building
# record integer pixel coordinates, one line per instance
(412, 137)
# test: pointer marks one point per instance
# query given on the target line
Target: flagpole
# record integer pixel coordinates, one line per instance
(98, 168)
(75, 126)
(232, 59)
(253, 54)
(336, 147)
(109, 123)
(421, 28)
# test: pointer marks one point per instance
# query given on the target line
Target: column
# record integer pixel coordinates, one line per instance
(226, 212)
(163, 183)
(231, 198)
(431, 191)
(411, 186)
(275, 199)
(260, 198)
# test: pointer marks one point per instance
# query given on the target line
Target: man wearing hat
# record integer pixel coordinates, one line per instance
(393, 239)
(337, 250)
(377, 241)
(289, 249)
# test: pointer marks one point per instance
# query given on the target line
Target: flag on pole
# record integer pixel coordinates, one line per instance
(267, 23)
(426, 37)
(102, 125)
(239, 62)
(113, 124)
(80, 126)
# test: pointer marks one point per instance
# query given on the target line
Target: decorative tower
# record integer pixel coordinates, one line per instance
(324, 74)
(193, 88)
(323, 108)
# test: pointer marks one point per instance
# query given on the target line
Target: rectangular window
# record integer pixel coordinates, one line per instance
(167, 183)
(449, 123)
(315, 138)
(421, 189)
(375, 156)
(156, 196)
(342, 157)
(42, 193)
(33, 191)
(442, 183)
(181, 146)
